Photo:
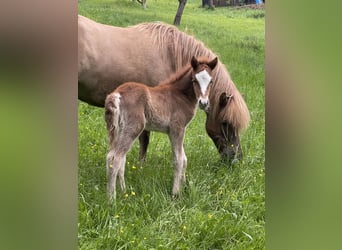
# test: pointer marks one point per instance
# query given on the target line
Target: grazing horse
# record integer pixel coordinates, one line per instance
(168, 108)
(109, 56)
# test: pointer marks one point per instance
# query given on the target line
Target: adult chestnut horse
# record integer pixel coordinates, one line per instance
(109, 56)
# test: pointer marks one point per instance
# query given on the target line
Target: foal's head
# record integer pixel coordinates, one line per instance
(201, 78)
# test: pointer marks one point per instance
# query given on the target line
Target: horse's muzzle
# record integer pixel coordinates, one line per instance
(231, 154)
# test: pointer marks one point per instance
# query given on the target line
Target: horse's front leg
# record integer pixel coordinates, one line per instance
(179, 159)
(144, 139)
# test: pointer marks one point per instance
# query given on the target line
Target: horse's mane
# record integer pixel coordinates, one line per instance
(182, 47)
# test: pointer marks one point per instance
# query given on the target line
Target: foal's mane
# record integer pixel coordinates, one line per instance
(176, 76)
(180, 46)
(183, 71)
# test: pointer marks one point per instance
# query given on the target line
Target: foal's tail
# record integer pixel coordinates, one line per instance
(112, 116)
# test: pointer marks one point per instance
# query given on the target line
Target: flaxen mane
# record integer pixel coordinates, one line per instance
(178, 45)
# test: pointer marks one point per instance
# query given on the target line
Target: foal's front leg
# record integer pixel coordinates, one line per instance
(179, 159)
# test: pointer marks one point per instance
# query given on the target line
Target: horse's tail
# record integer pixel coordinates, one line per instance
(112, 116)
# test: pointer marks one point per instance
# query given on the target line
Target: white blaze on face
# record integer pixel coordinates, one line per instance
(203, 78)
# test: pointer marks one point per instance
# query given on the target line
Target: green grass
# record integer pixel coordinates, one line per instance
(221, 207)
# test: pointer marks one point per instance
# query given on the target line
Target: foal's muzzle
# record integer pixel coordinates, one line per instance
(203, 104)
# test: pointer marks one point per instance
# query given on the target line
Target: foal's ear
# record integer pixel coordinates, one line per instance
(213, 63)
(194, 62)
(224, 99)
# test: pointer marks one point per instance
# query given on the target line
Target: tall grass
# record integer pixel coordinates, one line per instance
(221, 207)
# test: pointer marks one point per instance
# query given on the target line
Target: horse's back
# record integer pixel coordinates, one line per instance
(118, 52)
(110, 56)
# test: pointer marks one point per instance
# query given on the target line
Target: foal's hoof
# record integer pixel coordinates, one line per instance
(111, 197)
(176, 196)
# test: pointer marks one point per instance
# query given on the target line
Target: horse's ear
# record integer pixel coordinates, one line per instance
(213, 63)
(194, 62)
(224, 99)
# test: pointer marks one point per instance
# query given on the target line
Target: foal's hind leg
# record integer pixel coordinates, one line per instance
(116, 161)
(117, 156)
(114, 164)
(144, 139)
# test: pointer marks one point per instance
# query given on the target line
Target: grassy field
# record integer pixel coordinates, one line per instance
(221, 207)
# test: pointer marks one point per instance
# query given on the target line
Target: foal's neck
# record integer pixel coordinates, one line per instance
(184, 84)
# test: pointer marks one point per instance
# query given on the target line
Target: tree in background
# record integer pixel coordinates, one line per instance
(179, 13)
(234, 2)
(210, 3)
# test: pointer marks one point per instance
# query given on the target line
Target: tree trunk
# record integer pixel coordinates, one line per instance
(179, 13)
(211, 4)
(234, 2)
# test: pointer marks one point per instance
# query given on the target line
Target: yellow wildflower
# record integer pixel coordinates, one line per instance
(132, 193)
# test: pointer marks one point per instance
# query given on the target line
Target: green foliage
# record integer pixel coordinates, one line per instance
(221, 207)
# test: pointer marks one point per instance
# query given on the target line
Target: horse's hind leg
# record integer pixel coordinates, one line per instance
(144, 139)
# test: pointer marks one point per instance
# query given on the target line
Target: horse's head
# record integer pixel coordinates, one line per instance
(224, 124)
(202, 79)
(224, 135)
